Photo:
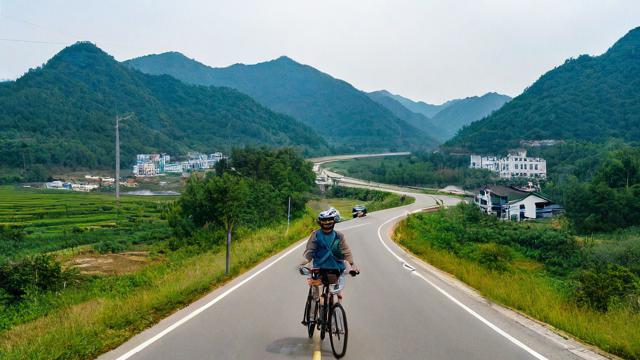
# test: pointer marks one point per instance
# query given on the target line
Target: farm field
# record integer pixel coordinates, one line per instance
(34, 221)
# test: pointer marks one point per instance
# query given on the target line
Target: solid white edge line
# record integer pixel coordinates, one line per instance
(456, 301)
(204, 307)
(193, 314)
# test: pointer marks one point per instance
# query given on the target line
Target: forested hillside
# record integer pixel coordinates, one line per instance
(345, 116)
(62, 115)
(416, 119)
(420, 107)
(465, 111)
(444, 120)
(591, 98)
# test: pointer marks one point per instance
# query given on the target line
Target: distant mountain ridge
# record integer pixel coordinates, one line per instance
(447, 118)
(344, 115)
(416, 119)
(461, 112)
(589, 98)
(62, 115)
(420, 107)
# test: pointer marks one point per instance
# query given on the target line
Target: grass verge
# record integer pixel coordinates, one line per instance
(526, 287)
(89, 328)
(102, 312)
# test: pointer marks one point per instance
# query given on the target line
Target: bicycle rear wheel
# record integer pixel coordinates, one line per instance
(338, 331)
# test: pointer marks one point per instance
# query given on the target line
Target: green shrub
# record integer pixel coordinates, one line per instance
(77, 230)
(356, 193)
(37, 273)
(11, 232)
(494, 256)
(106, 246)
(599, 287)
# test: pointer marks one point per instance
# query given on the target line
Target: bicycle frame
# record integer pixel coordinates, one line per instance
(325, 313)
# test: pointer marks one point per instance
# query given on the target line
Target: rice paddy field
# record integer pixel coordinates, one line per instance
(37, 221)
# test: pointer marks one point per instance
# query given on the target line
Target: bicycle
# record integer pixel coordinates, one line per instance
(331, 316)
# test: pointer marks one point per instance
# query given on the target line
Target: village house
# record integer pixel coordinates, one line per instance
(159, 164)
(508, 203)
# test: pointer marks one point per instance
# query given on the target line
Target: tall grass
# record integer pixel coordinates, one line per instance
(526, 287)
(89, 328)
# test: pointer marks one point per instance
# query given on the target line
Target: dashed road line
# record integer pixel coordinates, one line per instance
(456, 301)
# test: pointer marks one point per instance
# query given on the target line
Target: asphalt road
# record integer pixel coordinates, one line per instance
(393, 312)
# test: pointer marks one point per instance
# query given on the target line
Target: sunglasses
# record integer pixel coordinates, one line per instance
(328, 221)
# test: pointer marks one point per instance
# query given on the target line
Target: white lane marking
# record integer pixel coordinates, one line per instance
(204, 307)
(457, 302)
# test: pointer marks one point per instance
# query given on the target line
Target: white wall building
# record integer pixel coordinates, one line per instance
(513, 165)
(173, 168)
(508, 203)
(158, 164)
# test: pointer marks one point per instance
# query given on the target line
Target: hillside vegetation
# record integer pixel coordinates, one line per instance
(51, 307)
(444, 120)
(423, 169)
(62, 115)
(345, 116)
(590, 98)
(541, 269)
(465, 111)
(420, 107)
(418, 120)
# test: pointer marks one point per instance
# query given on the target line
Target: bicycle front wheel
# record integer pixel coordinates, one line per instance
(312, 316)
(338, 331)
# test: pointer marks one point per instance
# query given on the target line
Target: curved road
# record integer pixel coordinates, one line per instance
(398, 308)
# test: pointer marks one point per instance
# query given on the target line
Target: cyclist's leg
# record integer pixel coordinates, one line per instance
(341, 283)
(316, 293)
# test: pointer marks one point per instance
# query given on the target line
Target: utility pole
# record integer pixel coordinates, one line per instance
(289, 215)
(118, 119)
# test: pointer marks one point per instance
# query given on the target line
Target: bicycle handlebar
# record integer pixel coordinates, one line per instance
(303, 270)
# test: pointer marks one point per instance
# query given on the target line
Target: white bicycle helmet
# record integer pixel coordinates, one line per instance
(328, 214)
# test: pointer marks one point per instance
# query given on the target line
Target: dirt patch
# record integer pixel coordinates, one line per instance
(91, 263)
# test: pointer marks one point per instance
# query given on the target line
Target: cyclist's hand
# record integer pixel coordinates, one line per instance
(300, 269)
(354, 271)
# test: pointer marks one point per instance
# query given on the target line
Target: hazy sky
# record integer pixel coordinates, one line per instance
(423, 49)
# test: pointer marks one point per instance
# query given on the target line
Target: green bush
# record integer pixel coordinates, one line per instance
(106, 246)
(494, 256)
(356, 193)
(600, 287)
(11, 232)
(31, 274)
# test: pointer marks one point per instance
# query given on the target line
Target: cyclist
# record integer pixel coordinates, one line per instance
(328, 249)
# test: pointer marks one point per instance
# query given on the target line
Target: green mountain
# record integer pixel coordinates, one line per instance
(590, 98)
(418, 120)
(465, 111)
(447, 118)
(347, 117)
(62, 115)
(420, 107)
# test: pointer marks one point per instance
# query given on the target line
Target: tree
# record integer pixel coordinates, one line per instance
(228, 196)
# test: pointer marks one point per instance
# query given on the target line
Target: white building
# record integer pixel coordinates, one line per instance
(173, 168)
(83, 187)
(533, 206)
(55, 185)
(509, 203)
(513, 165)
(159, 164)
